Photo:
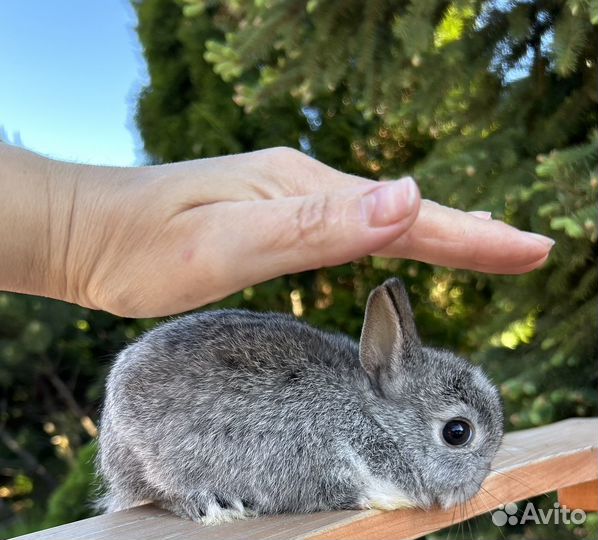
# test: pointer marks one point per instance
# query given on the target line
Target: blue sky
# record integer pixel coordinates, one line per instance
(70, 71)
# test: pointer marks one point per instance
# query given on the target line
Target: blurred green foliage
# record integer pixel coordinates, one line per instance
(490, 104)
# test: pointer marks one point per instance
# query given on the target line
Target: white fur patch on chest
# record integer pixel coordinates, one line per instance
(384, 495)
(377, 492)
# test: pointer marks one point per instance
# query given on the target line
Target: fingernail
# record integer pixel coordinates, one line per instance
(390, 203)
(544, 240)
(481, 214)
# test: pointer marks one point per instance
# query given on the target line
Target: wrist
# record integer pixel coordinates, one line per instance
(92, 207)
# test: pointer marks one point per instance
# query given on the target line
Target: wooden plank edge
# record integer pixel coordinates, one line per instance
(535, 479)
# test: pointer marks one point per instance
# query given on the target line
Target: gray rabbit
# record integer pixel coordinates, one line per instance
(224, 414)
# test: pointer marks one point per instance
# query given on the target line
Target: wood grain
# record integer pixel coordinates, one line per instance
(529, 463)
(583, 496)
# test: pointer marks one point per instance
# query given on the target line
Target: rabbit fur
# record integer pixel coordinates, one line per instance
(226, 414)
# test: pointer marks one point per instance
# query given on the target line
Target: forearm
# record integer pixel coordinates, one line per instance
(34, 213)
(48, 209)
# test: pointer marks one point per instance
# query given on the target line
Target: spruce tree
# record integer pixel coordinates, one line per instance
(492, 105)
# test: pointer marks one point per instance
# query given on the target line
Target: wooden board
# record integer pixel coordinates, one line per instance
(529, 463)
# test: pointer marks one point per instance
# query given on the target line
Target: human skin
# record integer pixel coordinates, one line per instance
(153, 241)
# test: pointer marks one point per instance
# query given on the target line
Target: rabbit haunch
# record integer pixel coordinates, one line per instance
(219, 415)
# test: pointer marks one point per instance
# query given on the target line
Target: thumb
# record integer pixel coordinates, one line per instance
(258, 240)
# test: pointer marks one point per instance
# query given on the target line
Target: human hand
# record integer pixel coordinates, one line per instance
(152, 241)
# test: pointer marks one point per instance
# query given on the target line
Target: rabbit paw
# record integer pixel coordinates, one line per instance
(207, 508)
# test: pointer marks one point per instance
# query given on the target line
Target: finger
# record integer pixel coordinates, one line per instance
(449, 237)
(515, 269)
(481, 214)
(440, 235)
(252, 241)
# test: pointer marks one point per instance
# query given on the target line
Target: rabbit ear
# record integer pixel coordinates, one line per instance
(388, 336)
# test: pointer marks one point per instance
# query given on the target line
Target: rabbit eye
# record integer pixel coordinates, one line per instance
(457, 432)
